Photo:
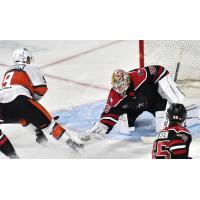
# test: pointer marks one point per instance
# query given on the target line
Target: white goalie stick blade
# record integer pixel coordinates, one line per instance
(148, 139)
(87, 137)
(90, 136)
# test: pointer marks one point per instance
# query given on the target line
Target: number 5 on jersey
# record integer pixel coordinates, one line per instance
(161, 149)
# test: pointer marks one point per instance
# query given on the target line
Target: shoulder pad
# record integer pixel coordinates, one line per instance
(114, 98)
(138, 77)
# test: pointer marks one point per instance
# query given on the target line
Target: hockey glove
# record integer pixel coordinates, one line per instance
(99, 129)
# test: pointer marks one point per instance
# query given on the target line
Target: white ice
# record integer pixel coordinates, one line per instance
(83, 77)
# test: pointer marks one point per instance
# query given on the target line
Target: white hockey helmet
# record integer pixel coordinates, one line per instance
(22, 55)
(120, 81)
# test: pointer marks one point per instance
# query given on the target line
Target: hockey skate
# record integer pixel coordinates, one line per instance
(40, 137)
(13, 155)
(75, 146)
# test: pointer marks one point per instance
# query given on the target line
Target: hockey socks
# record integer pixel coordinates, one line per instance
(6, 147)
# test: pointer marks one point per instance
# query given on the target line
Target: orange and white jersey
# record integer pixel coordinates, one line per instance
(22, 79)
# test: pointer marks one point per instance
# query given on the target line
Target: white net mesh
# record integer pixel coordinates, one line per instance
(169, 52)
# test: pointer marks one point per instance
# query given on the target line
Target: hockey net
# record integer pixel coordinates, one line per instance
(170, 53)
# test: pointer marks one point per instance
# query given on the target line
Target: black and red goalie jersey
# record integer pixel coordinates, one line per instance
(172, 143)
(133, 93)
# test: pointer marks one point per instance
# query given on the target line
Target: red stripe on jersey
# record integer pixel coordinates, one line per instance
(3, 140)
(179, 152)
(178, 129)
(107, 122)
(111, 115)
(174, 142)
(160, 71)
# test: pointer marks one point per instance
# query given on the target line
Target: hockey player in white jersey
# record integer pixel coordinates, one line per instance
(22, 87)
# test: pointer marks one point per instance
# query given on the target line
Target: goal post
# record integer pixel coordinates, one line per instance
(141, 53)
(172, 53)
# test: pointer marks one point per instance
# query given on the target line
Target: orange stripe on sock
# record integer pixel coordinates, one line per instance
(57, 131)
(23, 122)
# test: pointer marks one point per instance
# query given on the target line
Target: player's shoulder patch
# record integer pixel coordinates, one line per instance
(138, 77)
(152, 70)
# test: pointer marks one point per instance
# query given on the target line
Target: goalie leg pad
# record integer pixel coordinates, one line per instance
(168, 90)
(159, 120)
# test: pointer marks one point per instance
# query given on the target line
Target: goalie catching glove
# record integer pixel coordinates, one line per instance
(99, 129)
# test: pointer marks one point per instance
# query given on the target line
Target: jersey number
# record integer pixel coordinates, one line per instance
(7, 79)
(161, 149)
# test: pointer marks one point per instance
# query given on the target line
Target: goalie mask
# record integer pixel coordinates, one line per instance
(22, 55)
(120, 81)
(176, 113)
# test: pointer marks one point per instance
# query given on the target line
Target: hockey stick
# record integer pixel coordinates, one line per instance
(14, 122)
(176, 72)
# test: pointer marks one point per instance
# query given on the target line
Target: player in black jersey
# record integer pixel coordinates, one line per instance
(174, 141)
(144, 89)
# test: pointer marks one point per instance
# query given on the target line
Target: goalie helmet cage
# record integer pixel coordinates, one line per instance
(169, 54)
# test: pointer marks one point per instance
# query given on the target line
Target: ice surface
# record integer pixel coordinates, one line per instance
(78, 87)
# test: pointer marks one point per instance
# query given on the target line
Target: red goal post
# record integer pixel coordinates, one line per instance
(169, 54)
(141, 52)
